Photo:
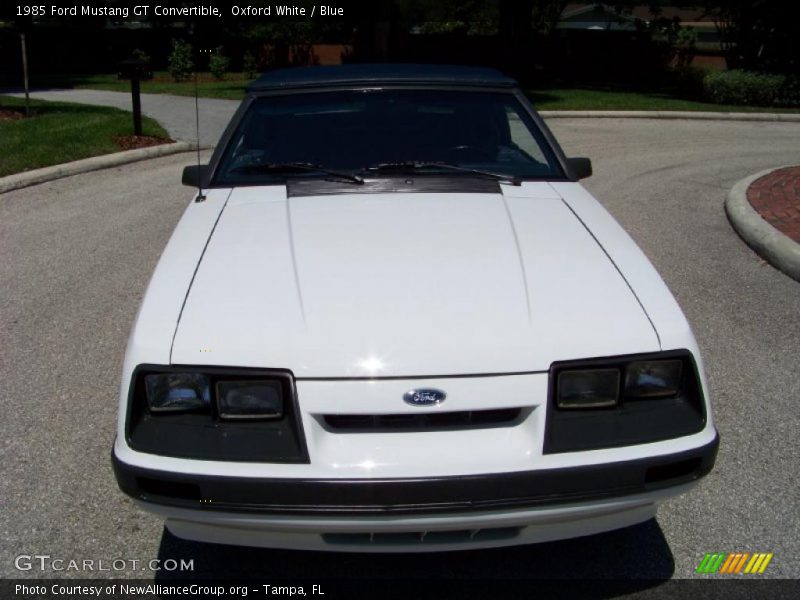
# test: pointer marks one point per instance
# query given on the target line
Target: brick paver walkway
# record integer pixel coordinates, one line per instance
(776, 197)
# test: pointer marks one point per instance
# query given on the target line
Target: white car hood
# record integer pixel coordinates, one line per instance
(416, 284)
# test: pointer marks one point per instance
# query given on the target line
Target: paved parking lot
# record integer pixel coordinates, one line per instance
(77, 254)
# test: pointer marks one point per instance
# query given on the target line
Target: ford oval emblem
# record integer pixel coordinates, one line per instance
(424, 397)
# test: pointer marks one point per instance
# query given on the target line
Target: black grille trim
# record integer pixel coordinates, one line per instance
(438, 421)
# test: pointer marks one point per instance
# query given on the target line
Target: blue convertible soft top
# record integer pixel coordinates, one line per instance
(379, 74)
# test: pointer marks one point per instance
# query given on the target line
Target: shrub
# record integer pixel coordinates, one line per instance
(790, 93)
(180, 62)
(218, 64)
(249, 65)
(745, 87)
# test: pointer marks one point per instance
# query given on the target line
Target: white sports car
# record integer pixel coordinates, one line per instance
(393, 320)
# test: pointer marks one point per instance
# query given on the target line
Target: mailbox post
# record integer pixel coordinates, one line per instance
(135, 70)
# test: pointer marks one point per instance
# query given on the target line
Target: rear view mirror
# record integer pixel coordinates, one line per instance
(195, 176)
(579, 167)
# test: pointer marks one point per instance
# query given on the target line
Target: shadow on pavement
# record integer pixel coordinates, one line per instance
(638, 557)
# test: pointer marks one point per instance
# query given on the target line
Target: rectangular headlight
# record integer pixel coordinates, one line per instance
(170, 392)
(653, 378)
(250, 399)
(588, 388)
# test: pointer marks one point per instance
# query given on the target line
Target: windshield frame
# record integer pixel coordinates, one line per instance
(547, 140)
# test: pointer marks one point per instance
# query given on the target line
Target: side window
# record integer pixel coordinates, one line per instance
(522, 138)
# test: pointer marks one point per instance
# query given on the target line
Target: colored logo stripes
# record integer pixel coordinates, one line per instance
(737, 562)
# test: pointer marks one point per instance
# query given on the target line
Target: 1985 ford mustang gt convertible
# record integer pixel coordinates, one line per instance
(393, 320)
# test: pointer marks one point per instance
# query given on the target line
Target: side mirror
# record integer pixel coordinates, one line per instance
(195, 175)
(579, 168)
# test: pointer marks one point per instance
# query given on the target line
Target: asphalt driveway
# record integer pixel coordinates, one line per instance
(175, 113)
(77, 256)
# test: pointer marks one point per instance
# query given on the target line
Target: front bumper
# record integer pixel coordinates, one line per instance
(431, 513)
(439, 532)
(426, 495)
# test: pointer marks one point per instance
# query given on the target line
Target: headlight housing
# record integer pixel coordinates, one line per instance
(624, 400)
(214, 413)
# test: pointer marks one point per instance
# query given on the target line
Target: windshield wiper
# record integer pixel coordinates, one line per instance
(297, 166)
(424, 164)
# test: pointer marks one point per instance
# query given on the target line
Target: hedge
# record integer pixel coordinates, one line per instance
(751, 88)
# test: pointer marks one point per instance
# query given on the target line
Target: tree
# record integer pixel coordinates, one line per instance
(545, 15)
(470, 17)
(758, 34)
(218, 64)
(180, 63)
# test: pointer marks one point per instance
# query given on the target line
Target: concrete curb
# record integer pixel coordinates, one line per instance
(669, 114)
(778, 249)
(28, 178)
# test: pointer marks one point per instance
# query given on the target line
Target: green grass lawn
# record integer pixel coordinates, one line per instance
(59, 132)
(234, 84)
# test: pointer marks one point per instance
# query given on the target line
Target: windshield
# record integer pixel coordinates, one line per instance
(366, 131)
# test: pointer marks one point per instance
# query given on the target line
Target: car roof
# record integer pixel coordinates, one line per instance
(343, 75)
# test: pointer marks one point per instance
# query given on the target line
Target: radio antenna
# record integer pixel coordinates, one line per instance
(200, 196)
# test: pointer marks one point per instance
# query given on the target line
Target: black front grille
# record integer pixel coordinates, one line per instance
(466, 419)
